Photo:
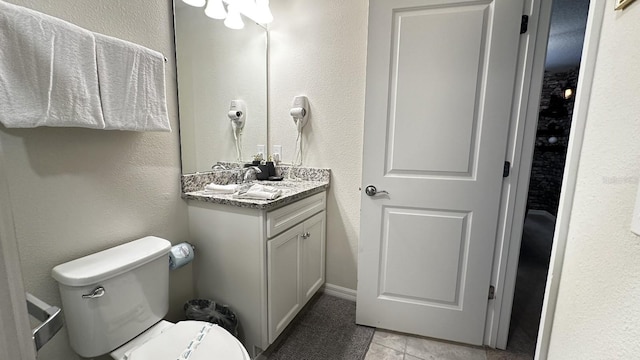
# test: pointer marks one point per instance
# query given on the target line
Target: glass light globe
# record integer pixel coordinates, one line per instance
(215, 10)
(233, 20)
(263, 12)
(196, 3)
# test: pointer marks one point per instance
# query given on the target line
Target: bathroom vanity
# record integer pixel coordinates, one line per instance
(265, 259)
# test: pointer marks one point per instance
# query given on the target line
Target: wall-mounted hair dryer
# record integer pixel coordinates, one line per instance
(237, 113)
(300, 114)
(300, 111)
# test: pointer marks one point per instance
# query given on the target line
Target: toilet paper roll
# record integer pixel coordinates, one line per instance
(180, 255)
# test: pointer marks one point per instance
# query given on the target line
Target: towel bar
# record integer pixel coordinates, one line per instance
(51, 317)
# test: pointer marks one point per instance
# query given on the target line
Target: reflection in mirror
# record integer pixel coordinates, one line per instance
(216, 65)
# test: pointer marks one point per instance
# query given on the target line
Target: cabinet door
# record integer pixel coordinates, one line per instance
(283, 279)
(312, 255)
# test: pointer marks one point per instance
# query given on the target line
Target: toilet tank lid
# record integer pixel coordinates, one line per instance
(108, 263)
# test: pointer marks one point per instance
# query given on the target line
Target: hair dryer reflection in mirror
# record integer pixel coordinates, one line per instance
(238, 115)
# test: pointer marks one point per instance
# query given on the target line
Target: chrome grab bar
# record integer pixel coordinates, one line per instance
(51, 317)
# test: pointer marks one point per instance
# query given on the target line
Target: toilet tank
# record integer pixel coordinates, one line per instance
(135, 279)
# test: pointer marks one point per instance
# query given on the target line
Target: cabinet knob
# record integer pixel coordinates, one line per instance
(306, 235)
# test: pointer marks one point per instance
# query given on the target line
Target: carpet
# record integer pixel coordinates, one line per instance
(325, 329)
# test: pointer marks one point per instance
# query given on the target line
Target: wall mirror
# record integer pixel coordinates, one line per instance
(216, 65)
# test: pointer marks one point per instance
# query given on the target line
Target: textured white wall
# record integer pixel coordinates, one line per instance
(598, 309)
(318, 49)
(77, 191)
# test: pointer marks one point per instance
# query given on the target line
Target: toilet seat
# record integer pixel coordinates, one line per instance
(191, 340)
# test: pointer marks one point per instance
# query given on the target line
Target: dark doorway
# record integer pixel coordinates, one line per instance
(564, 50)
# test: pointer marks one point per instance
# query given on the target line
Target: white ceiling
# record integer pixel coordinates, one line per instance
(568, 23)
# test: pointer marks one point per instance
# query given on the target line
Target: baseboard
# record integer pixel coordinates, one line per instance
(339, 291)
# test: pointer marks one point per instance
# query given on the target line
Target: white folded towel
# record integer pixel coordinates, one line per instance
(132, 85)
(264, 188)
(260, 195)
(260, 192)
(220, 189)
(47, 71)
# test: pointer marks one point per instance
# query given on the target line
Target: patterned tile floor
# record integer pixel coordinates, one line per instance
(396, 346)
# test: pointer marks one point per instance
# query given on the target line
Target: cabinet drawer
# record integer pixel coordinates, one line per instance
(283, 218)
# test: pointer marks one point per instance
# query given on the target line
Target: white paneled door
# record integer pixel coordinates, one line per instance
(440, 80)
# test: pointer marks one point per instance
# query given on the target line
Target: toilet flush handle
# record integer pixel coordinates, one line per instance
(96, 293)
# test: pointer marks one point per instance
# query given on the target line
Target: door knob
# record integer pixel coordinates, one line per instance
(372, 191)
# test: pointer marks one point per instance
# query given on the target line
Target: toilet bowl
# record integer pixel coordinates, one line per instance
(193, 340)
(114, 302)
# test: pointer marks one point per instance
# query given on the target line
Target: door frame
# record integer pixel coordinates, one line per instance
(533, 53)
(514, 200)
(576, 138)
(13, 304)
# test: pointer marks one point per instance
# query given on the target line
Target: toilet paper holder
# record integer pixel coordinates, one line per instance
(50, 317)
(180, 255)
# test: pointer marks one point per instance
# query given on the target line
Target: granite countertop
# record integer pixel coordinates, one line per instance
(307, 182)
(291, 191)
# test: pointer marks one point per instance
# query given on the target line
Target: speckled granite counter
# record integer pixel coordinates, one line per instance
(308, 181)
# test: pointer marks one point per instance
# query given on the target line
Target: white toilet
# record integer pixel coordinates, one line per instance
(114, 302)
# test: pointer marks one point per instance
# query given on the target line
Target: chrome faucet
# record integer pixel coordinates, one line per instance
(249, 172)
(219, 167)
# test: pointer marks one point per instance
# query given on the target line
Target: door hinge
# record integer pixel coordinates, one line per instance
(524, 24)
(492, 292)
(506, 170)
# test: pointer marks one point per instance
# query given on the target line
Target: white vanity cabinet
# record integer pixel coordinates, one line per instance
(264, 263)
(295, 262)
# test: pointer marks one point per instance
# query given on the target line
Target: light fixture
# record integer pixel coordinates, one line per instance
(263, 12)
(233, 20)
(256, 10)
(196, 3)
(567, 93)
(215, 10)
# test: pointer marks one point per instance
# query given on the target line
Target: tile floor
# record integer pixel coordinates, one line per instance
(395, 346)
(537, 239)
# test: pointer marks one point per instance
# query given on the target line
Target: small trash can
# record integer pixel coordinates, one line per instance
(208, 310)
